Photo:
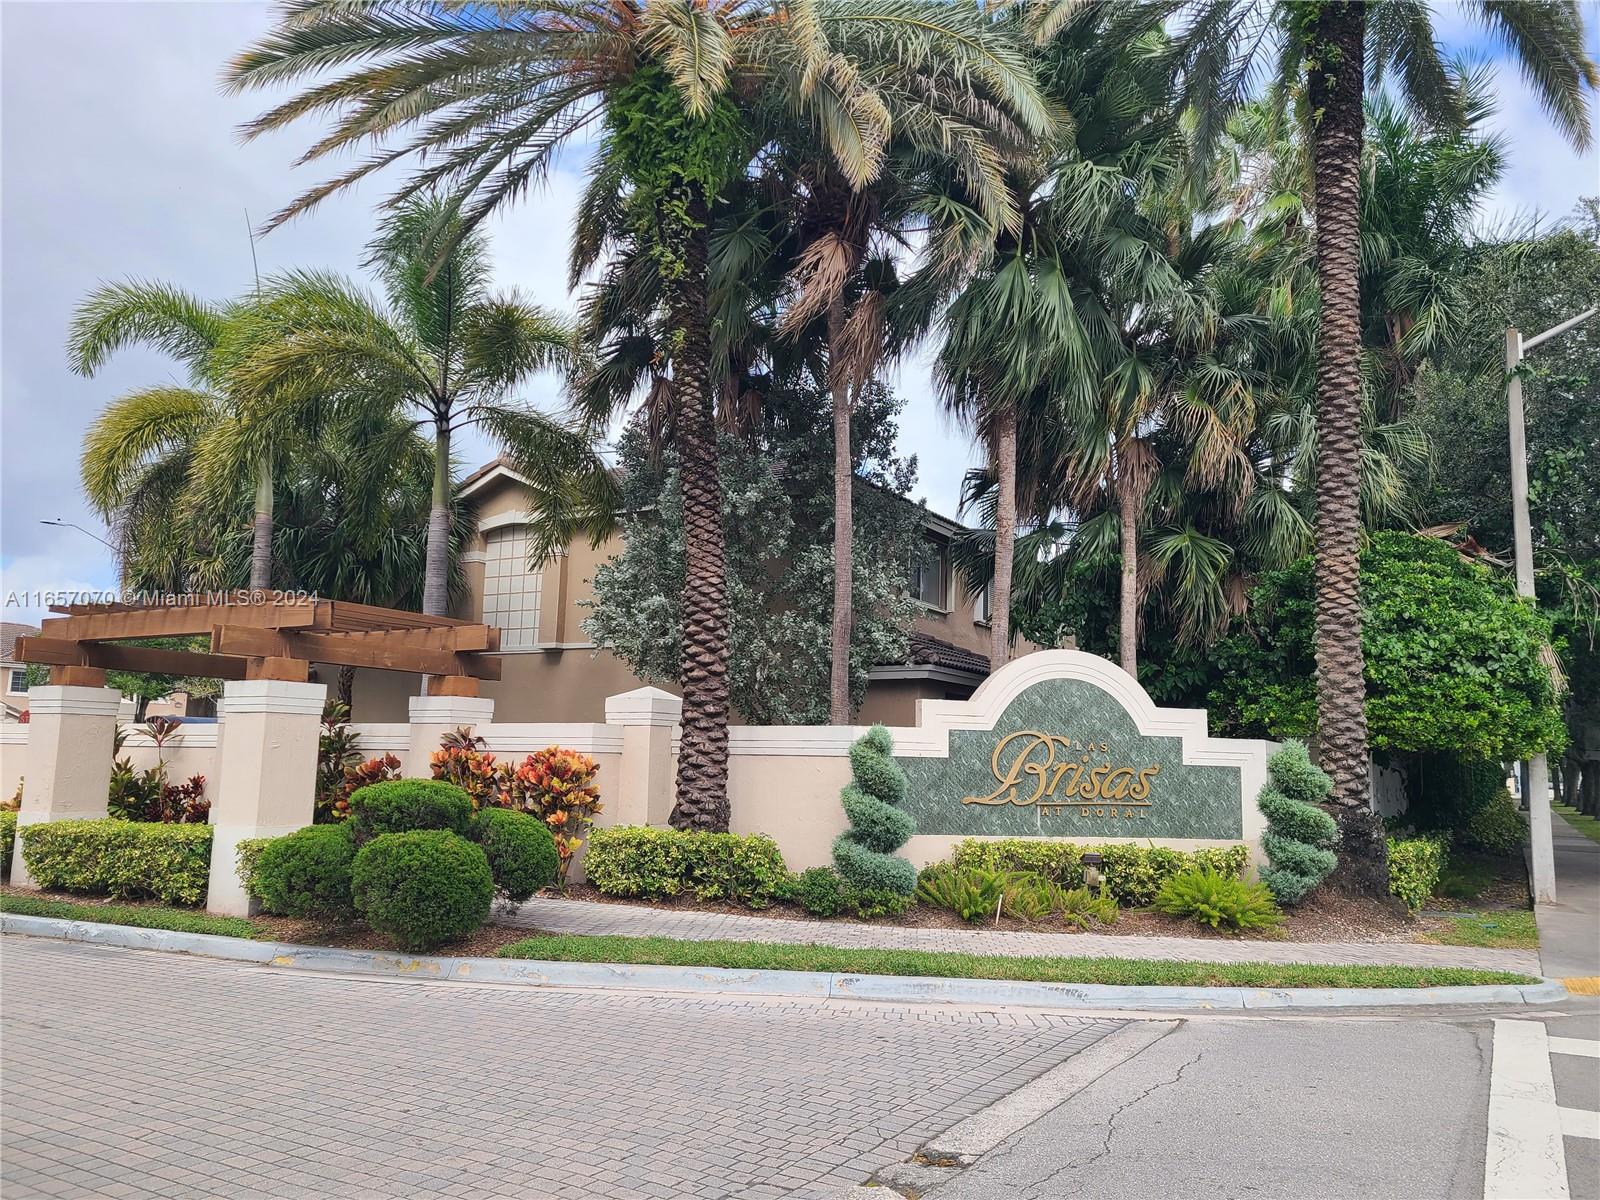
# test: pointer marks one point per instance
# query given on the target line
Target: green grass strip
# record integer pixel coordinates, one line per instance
(144, 916)
(1584, 824)
(1510, 930)
(1128, 972)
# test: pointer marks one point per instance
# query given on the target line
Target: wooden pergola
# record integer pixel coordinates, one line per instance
(278, 637)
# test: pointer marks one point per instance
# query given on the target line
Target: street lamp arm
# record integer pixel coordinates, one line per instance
(1557, 330)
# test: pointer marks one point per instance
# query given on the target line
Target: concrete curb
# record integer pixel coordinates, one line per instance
(815, 985)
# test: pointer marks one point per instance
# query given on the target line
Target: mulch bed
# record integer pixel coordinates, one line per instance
(1322, 918)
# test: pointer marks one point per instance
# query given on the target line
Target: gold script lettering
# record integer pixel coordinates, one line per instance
(1030, 767)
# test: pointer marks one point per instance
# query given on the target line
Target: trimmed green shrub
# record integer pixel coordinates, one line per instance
(124, 859)
(8, 837)
(655, 864)
(1414, 868)
(404, 805)
(870, 904)
(307, 873)
(1497, 827)
(422, 887)
(1132, 874)
(863, 854)
(1219, 901)
(821, 891)
(246, 854)
(1298, 832)
(521, 851)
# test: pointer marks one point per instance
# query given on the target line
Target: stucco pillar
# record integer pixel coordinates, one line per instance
(434, 716)
(70, 731)
(267, 784)
(649, 718)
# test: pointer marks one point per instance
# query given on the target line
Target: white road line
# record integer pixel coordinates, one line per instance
(1580, 1123)
(1524, 1158)
(1582, 1047)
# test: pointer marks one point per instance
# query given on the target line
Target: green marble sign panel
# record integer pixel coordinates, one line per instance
(1065, 759)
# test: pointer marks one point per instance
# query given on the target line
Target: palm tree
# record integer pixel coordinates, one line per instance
(1326, 46)
(491, 93)
(1031, 344)
(141, 456)
(444, 350)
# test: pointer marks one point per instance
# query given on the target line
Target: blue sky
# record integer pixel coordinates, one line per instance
(119, 157)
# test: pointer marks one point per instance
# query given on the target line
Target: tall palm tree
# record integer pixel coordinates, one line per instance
(1032, 334)
(443, 350)
(141, 455)
(491, 93)
(1326, 46)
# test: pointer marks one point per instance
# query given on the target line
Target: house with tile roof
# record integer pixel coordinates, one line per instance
(14, 674)
(552, 671)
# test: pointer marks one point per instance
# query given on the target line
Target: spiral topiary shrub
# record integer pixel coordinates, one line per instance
(1298, 833)
(864, 853)
(306, 873)
(403, 805)
(422, 888)
(521, 851)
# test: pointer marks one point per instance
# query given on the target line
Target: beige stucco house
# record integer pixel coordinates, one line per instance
(13, 674)
(553, 672)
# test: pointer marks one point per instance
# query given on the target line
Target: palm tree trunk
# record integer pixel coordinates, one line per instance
(261, 533)
(1005, 536)
(1335, 55)
(702, 799)
(843, 526)
(436, 572)
(1129, 504)
(347, 685)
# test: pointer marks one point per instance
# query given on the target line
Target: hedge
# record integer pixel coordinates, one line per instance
(653, 864)
(8, 837)
(1133, 874)
(124, 859)
(404, 805)
(423, 887)
(307, 873)
(521, 851)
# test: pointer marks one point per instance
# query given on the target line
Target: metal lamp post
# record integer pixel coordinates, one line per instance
(1538, 770)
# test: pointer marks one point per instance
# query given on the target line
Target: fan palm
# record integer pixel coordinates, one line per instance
(1333, 48)
(1031, 342)
(444, 350)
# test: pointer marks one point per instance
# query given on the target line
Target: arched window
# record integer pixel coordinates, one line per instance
(510, 589)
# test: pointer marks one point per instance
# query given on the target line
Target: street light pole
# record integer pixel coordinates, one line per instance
(1538, 769)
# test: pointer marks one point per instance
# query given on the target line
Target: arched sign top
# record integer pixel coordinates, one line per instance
(1062, 743)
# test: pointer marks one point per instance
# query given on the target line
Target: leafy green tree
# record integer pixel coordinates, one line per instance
(1323, 48)
(777, 498)
(1454, 662)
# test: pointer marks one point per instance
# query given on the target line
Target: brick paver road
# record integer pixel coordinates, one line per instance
(133, 1074)
(589, 917)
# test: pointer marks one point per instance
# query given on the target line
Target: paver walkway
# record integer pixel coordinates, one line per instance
(588, 917)
(1569, 930)
(136, 1074)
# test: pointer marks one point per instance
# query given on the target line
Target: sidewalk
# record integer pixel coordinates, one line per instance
(1569, 930)
(630, 920)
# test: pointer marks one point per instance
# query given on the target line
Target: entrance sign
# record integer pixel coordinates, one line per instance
(1064, 744)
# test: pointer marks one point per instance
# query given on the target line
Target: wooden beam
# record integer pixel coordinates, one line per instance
(184, 619)
(129, 658)
(454, 638)
(77, 677)
(293, 670)
(338, 649)
(349, 616)
(452, 685)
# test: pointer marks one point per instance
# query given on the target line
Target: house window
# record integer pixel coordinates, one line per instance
(510, 589)
(18, 683)
(983, 604)
(929, 573)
